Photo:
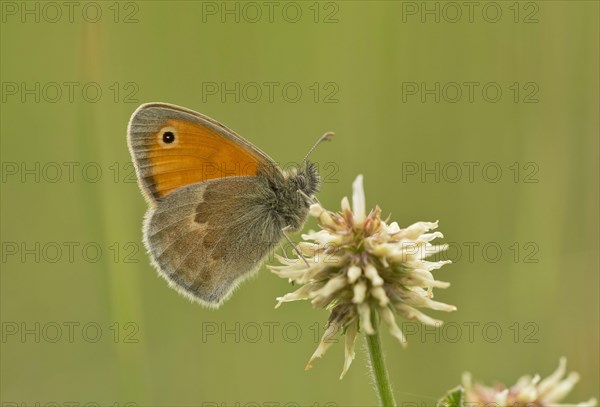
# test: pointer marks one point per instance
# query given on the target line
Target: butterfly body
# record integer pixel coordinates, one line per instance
(218, 205)
(287, 194)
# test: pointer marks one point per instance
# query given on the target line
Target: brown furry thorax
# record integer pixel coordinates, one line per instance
(290, 194)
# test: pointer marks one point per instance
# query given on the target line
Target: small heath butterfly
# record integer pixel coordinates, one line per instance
(217, 204)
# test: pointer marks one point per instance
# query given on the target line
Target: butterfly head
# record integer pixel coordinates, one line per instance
(306, 179)
(294, 193)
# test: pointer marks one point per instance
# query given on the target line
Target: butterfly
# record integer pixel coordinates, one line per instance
(217, 204)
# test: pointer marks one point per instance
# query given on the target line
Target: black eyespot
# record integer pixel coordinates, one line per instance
(168, 137)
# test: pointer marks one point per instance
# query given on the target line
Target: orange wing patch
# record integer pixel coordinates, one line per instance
(181, 153)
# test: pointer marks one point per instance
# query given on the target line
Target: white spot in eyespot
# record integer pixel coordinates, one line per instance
(168, 137)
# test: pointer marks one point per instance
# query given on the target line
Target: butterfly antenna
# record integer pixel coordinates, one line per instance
(325, 137)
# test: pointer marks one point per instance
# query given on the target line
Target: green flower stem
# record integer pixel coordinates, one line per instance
(378, 370)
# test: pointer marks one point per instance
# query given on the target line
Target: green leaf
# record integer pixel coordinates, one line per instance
(454, 398)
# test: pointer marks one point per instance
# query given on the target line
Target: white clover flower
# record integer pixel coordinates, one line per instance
(528, 391)
(359, 266)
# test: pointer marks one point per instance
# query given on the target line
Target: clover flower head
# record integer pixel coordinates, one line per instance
(359, 267)
(529, 391)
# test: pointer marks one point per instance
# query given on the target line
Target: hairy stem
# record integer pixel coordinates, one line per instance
(378, 369)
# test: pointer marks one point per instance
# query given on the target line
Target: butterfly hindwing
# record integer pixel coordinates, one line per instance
(207, 237)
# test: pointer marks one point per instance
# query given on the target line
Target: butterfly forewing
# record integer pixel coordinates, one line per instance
(174, 147)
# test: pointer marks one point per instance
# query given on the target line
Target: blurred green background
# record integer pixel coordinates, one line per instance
(363, 69)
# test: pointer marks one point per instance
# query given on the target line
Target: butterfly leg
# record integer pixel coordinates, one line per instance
(294, 246)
